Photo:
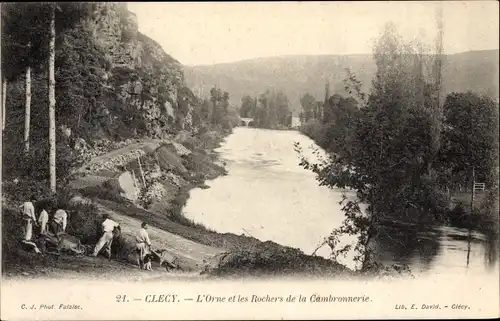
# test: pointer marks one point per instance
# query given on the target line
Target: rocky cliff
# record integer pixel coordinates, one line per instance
(112, 83)
(139, 77)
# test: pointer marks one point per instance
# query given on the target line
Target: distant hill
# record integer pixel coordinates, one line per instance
(297, 74)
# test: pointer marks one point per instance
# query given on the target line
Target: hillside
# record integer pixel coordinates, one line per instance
(296, 75)
(112, 83)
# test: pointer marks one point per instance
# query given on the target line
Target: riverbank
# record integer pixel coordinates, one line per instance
(296, 128)
(449, 207)
(113, 186)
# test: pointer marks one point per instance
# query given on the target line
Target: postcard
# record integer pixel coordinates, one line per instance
(250, 160)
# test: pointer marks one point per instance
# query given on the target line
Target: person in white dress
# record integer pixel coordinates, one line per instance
(59, 222)
(29, 218)
(43, 219)
(143, 244)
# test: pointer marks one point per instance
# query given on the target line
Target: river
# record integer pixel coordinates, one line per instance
(267, 195)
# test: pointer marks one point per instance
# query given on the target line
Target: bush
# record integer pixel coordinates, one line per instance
(104, 191)
(269, 258)
(460, 216)
(84, 222)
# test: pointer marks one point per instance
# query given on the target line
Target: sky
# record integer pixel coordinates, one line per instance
(201, 33)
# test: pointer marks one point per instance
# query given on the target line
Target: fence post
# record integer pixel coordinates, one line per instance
(473, 191)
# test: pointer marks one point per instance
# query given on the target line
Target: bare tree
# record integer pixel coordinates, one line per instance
(52, 99)
(4, 100)
(438, 64)
(27, 109)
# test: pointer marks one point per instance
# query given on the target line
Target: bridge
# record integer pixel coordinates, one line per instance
(245, 121)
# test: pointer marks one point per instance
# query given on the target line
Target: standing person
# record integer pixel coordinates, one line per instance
(59, 222)
(143, 246)
(28, 215)
(107, 237)
(43, 219)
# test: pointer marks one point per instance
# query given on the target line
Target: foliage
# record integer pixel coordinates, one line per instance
(270, 110)
(401, 152)
(308, 103)
(216, 112)
(34, 164)
(332, 128)
(469, 138)
(248, 107)
(23, 33)
(25, 29)
(390, 146)
(353, 87)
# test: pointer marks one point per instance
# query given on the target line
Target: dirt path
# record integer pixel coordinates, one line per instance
(151, 144)
(191, 254)
(95, 179)
(89, 268)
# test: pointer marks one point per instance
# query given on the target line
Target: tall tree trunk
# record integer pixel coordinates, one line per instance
(27, 111)
(4, 101)
(52, 101)
(214, 111)
(437, 110)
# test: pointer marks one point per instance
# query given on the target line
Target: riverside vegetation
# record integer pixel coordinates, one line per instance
(409, 152)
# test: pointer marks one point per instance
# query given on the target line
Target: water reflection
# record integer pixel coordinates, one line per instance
(440, 249)
(410, 245)
(491, 254)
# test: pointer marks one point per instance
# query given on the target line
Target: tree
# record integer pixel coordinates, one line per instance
(436, 113)
(27, 114)
(52, 99)
(225, 102)
(262, 115)
(390, 146)
(205, 111)
(26, 24)
(269, 110)
(221, 114)
(467, 138)
(225, 120)
(353, 87)
(339, 117)
(215, 97)
(4, 100)
(308, 103)
(247, 107)
(22, 37)
(283, 109)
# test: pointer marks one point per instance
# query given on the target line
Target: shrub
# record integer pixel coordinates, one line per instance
(84, 222)
(104, 191)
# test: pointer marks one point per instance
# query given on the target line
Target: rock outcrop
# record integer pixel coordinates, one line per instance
(142, 80)
(129, 186)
